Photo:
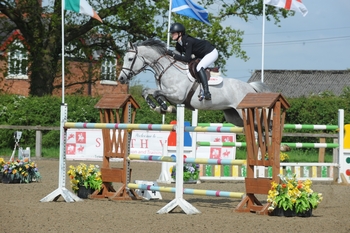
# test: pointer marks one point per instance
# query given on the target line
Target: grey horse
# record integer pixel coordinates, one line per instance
(175, 84)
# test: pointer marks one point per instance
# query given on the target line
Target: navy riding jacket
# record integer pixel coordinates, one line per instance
(191, 45)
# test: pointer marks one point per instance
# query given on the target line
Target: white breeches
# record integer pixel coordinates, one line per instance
(208, 59)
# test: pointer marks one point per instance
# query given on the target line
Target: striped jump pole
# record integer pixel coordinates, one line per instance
(159, 127)
(290, 144)
(312, 127)
(214, 129)
(188, 160)
(216, 124)
(214, 193)
(223, 144)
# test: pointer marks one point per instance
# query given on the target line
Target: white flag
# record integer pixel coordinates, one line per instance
(294, 5)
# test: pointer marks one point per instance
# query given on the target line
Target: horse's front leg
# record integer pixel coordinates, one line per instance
(162, 102)
(145, 94)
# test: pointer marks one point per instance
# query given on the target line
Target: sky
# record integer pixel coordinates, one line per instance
(318, 41)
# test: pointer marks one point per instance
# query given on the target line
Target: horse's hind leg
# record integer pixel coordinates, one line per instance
(232, 116)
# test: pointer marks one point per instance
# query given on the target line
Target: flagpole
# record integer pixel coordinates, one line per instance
(169, 19)
(67, 195)
(168, 41)
(62, 46)
(263, 45)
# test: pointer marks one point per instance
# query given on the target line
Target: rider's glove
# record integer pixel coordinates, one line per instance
(170, 53)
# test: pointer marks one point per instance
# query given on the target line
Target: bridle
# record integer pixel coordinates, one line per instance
(156, 63)
(133, 73)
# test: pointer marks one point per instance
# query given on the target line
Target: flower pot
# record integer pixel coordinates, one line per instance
(84, 192)
(281, 212)
(190, 181)
(289, 213)
(278, 212)
(306, 214)
(8, 180)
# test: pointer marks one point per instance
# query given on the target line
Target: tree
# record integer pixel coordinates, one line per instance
(123, 21)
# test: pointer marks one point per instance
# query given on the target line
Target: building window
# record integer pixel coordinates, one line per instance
(108, 70)
(17, 61)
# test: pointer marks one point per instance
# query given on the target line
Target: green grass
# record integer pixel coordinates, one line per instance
(295, 155)
(45, 152)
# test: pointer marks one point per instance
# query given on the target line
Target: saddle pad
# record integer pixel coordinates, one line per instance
(215, 80)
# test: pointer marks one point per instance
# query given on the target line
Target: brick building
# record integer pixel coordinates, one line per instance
(94, 75)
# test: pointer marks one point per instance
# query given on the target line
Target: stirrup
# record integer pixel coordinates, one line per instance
(207, 96)
(201, 95)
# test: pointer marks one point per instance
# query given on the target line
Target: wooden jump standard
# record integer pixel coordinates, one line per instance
(116, 108)
(257, 110)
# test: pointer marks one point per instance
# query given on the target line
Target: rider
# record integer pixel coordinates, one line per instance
(200, 48)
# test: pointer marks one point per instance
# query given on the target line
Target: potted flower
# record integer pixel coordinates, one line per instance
(292, 197)
(190, 172)
(19, 171)
(85, 179)
(283, 157)
(2, 161)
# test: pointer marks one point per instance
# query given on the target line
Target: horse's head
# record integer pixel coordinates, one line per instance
(139, 57)
(133, 64)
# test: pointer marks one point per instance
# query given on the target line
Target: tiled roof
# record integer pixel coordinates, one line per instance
(298, 83)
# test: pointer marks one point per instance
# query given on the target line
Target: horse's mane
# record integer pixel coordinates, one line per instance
(155, 44)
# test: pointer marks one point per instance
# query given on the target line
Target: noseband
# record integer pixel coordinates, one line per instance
(132, 73)
(154, 64)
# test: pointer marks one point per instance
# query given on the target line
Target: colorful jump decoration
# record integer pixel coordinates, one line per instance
(188, 160)
(290, 144)
(214, 193)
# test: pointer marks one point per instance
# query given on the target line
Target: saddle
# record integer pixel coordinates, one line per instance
(193, 71)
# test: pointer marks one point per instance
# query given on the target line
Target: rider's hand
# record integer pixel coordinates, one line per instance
(170, 53)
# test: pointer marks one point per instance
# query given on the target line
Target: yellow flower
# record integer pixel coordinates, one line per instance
(283, 157)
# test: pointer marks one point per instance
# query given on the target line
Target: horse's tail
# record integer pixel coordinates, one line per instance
(260, 87)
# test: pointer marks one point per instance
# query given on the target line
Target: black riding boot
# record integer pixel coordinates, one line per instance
(204, 81)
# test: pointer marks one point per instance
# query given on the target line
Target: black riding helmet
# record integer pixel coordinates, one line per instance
(177, 27)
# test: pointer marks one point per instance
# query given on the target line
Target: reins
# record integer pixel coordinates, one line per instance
(155, 64)
(131, 72)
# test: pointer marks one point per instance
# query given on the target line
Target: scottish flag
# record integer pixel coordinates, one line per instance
(190, 9)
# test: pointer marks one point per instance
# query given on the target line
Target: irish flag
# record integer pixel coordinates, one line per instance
(295, 5)
(82, 7)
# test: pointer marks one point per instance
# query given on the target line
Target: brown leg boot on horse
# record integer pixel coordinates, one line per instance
(204, 81)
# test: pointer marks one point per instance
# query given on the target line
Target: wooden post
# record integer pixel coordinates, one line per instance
(116, 108)
(321, 151)
(262, 113)
(38, 143)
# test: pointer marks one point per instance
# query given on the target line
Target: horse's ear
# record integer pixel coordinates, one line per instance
(130, 45)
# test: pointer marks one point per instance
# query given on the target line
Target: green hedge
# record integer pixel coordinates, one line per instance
(45, 111)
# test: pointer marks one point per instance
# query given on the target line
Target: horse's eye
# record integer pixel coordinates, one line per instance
(130, 59)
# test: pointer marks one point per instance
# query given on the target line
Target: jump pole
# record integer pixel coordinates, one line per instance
(179, 201)
(203, 192)
(290, 144)
(188, 160)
